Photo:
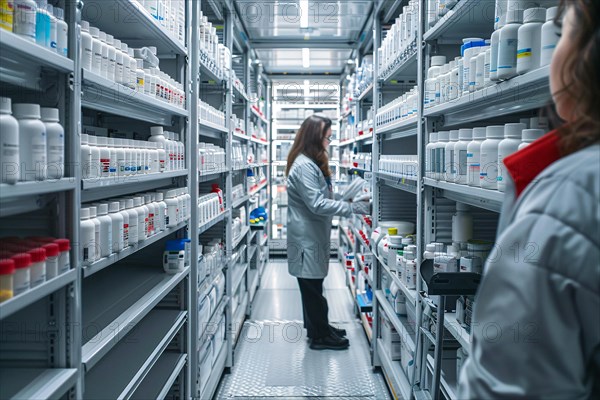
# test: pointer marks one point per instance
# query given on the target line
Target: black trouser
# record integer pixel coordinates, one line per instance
(315, 308)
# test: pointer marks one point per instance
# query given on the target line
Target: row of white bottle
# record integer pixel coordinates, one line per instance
(36, 21)
(32, 143)
(514, 49)
(475, 157)
(238, 155)
(103, 157)
(209, 207)
(400, 109)
(211, 158)
(362, 161)
(237, 83)
(170, 14)
(218, 56)
(401, 37)
(210, 114)
(402, 166)
(109, 227)
(114, 60)
(523, 41)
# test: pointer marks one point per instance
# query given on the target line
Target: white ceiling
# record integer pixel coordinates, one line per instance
(278, 31)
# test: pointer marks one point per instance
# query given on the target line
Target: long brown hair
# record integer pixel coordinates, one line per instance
(309, 141)
(582, 72)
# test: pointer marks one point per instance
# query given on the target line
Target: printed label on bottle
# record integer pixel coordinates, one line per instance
(549, 47)
(105, 165)
(462, 162)
(6, 14)
(9, 150)
(524, 53)
(86, 254)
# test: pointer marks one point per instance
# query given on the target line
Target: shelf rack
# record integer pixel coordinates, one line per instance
(29, 297)
(116, 257)
(101, 94)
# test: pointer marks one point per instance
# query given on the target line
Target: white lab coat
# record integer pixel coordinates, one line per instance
(311, 207)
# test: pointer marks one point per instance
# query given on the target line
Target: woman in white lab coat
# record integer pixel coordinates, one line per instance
(311, 207)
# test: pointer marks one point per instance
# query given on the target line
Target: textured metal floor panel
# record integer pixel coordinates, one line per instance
(273, 361)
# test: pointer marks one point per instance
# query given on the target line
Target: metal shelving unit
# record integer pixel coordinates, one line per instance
(36, 383)
(20, 302)
(152, 353)
(104, 95)
(47, 366)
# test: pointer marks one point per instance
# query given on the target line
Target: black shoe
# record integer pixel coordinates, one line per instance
(339, 332)
(331, 342)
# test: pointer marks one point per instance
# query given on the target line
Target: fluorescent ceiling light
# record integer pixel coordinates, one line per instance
(306, 57)
(303, 13)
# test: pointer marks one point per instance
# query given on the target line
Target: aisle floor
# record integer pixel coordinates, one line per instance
(273, 360)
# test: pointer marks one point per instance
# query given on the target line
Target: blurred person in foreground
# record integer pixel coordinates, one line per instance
(536, 323)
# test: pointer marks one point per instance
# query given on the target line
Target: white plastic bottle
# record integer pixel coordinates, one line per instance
(439, 151)
(140, 76)
(114, 151)
(96, 51)
(529, 136)
(106, 235)
(112, 58)
(151, 214)
(550, 36)
(117, 226)
(126, 78)
(432, 73)
(55, 147)
(460, 156)
(32, 142)
(507, 49)
(53, 32)
(488, 172)
(87, 52)
(172, 209)
(87, 237)
(9, 143)
(142, 221)
(94, 218)
(104, 157)
(119, 67)
(161, 217)
(24, 19)
(508, 146)
(96, 160)
(38, 266)
(530, 40)
(86, 157)
(449, 166)
(181, 151)
(125, 214)
(474, 156)
(133, 222)
(154, 158)
(462, 224)
(429, 155)
(480, 67)
(62, 32)
(471, 48)
(133, 70)
(494, 47)
(104, 65)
